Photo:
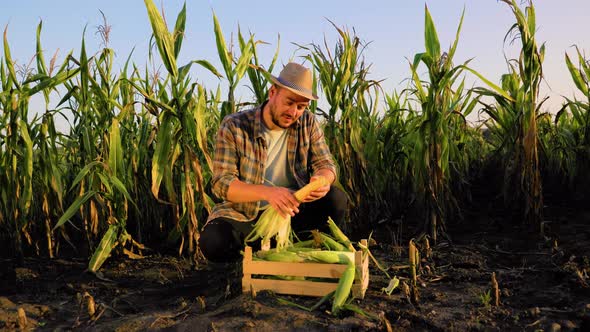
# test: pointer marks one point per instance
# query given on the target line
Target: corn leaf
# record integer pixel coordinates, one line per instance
(576, 76)
(179, 30)
(71, 211)
(161, 155)
(8, 60)
(106, 245)
(28, 167)
(430, 36)
(164, 40)
(224, 56)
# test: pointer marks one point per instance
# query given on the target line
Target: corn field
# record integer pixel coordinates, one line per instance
(130, 176)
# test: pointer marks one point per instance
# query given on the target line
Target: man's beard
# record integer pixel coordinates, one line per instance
(276, 118)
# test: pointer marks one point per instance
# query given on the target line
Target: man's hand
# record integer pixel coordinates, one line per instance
(318, 193)
(282, 200)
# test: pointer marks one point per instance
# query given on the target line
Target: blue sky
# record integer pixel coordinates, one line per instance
(394, 28)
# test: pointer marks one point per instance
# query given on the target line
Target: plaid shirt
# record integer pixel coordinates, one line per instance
(241, 152)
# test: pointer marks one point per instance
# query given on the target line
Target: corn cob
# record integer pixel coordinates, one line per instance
(304, 244)
(280, 256)
(302, 193)
(343, 289)
(272, 224)
(339, 235)
(300, 249)
(326, 241)
(330, 257)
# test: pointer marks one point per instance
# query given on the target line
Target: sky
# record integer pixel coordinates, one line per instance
(393, 29)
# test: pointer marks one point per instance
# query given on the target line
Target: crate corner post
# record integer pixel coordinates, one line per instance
(247, 286)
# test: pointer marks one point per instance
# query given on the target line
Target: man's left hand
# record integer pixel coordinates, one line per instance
(318, 193)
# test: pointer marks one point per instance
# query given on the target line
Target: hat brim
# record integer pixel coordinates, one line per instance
(295, 89)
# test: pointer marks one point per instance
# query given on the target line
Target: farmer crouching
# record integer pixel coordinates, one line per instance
(262, 156)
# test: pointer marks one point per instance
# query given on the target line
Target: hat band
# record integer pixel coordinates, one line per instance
(294, 86)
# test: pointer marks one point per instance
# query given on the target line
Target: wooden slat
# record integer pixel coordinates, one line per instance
(247, 277)
(360, 286)
(294, 287)
(300, 287)
(295, 269)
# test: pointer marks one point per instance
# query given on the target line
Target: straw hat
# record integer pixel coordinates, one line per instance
(297, 79)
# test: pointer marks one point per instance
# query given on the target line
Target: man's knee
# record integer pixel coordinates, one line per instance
(217, 242)
(338, 198)
(338, 204)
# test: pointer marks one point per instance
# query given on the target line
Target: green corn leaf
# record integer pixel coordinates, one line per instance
(393, 284)
(430, 36)
(51, 82)
(161, 159)
(41, 67)
(531, 20)
(71, 211)
(115, 149)
(106, 182)
(496, 88)
(83, 172)
(585, 65)
(224, 56)
(84, 69)
(454, 47)
(576, 76)
(8, 60)
(179, 30)
(28, 166)
(71, 91)
(207, 65)
(121, 188)
(244, 60)
(106, 245)
(164, 40)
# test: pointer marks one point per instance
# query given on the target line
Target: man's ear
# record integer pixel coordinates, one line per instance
(272, 91)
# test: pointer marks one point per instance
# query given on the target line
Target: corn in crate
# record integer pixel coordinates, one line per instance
(303, 276)
(301, 268)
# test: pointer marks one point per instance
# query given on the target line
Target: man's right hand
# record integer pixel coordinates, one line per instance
(282, 200)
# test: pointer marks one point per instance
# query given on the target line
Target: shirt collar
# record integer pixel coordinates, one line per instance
(258, 126)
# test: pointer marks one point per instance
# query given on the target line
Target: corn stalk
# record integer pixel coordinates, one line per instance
(516, 111)
(259, 79)
(181, 133)
(568, 145)
(437, 130)
(234, 69)
(352, 120)
(16, 159)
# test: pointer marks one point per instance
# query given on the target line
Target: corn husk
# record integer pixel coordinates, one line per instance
(272, 224)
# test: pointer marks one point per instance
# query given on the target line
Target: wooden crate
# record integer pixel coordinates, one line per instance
(254, 271)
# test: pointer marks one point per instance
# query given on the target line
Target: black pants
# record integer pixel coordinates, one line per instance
(222, 239)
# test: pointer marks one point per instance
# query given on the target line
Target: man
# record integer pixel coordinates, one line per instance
(262, 156)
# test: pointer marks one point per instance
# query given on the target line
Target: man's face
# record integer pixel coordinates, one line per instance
(285, 107)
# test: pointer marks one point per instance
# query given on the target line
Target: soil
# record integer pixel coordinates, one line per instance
(543, 283)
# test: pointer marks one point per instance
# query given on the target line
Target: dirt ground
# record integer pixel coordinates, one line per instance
(544, 285)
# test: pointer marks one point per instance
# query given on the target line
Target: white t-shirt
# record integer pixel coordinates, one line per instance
(276, 170)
